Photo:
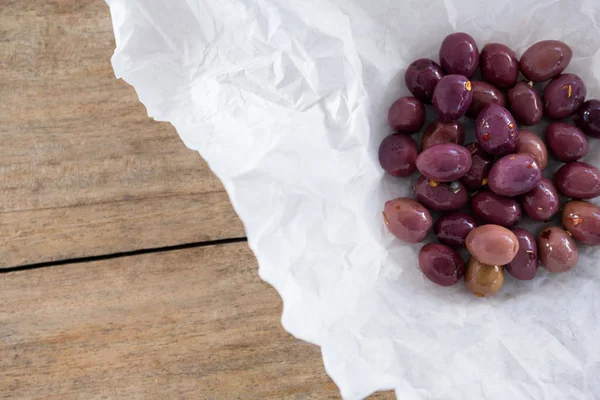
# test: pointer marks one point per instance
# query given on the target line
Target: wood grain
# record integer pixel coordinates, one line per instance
(84, 171)
(187, 324)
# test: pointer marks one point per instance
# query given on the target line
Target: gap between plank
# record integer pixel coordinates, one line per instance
(80, 260)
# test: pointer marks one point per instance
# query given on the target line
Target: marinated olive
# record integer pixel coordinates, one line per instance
(587, 118)
(531, 143)
(441, 264)
(459, 54)
(557, 250)
(542, 202)
(482, 279)
(407, 219)
(439, 132)
(452, 229)
(525, 264)
(578, 180)
(492, 244)
(496, 130)
(421, 77)
(545, 60)
(452, 97)
(406, 115)
(481, 163)
(439, 196)
(444, 162)
(514, 174)
(499, 65)
(566, 142)
(525, 104)
(398, 155)
(484, 94)
(582, 220)
(563, 96)
(495, 209)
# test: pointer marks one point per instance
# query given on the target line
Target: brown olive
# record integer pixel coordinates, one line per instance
(482, 279)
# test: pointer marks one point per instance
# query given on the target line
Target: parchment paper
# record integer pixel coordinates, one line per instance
(287, 101)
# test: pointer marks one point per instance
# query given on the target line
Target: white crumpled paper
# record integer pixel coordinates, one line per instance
(287, 101)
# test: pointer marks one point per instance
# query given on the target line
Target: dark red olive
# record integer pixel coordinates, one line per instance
(481, 163)
(421, 78)
(563, 96)
(566, 142)
(545, 60)
(484, 94)
(525, 264)
(440, 196)
(499, 65)
(494, 209)
(525, 104)
(541, 203)
(587, 118)
(452, 229)
(578, 180)
(439, 132)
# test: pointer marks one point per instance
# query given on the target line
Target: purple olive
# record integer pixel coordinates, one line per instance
(494, 209)
(541, 203)
(566, 142)
(514, 174)
(407, 219)
(441, 264)
(525, 264)
(441, 196)
(557, 250)
(439, 132)
(545, 60)
(578, 180)
(452, 97)
(525, 104)
(563, 96)
(587, 118)
(531, 143)
(459, 54)
(444, 162)
(452, 229)
(407, 115)
(421, 78)
(496, 130)
(582, 220)
(481, 163)
(499, 65)
(484, 94)
(398, 155)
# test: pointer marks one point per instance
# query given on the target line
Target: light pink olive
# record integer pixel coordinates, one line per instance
(514, 174)
(525, 104)
(557, 250)
(582, 219)
(444, 162)
(545, 59)
(492, 244)
(541, 203)
(483, 280)
(407, 219)
(531, 143)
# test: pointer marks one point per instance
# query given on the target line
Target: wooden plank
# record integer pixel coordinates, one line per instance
(188, 324)
(78, 147)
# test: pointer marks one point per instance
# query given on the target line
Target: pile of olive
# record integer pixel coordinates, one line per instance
(498, 176)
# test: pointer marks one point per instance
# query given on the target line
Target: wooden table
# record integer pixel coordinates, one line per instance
(124, 272)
